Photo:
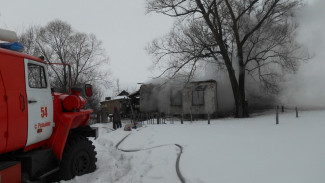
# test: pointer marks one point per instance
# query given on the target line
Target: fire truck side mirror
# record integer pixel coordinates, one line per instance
(89, 90)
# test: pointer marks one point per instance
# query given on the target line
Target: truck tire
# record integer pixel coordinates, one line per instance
(79, 157)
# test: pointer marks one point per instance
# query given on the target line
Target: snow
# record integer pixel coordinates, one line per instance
(251, 150)
(119, 98)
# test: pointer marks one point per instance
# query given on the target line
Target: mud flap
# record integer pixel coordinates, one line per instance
(10, 172)
(86, 131)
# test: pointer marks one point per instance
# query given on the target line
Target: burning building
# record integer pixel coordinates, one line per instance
(198, 98)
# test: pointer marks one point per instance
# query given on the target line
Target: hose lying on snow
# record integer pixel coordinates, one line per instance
(180, 176)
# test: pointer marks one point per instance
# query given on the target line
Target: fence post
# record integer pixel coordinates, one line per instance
(98, 117)
(182, 118)
(208, 118)
(164, 117)
(152, 118)
(132, 116)
(148, 118)
(296, 112)
(159, 118)
(277, 115)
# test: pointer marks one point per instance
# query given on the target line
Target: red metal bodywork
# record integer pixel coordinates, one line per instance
(11, 174)
(14, 109)
(64, 121)
(13, 115)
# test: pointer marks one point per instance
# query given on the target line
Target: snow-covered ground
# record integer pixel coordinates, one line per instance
(252, 150)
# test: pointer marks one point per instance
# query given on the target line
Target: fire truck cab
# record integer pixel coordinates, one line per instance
(43, 134)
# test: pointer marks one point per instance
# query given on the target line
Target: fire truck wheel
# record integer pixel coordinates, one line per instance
(79, 158)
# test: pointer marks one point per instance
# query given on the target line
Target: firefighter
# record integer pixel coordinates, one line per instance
(116, 119)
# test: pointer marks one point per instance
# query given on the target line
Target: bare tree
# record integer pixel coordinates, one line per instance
(255, 36)
(184, 48)
(58, 42)
(117, 87)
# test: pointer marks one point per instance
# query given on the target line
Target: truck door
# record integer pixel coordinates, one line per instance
(40, 102)
(3, 116)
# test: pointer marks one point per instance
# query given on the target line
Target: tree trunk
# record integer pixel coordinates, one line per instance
(235, 88)
(242, 106)
(239, 93)
(243, 111)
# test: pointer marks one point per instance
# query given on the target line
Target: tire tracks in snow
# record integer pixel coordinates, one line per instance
(179, 174)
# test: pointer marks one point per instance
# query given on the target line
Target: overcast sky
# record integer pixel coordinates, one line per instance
(122, 25)
(125, 30)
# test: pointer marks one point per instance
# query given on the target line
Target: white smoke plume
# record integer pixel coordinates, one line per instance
(306, 89)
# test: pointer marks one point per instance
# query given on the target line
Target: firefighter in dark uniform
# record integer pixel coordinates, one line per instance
(116, 119)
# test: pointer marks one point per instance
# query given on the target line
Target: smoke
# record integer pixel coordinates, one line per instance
(211, 71)
(307, 87)
(155, 95)
(256, 95)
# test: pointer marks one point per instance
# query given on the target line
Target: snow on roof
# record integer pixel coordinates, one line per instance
(119, 98)
(135, 93)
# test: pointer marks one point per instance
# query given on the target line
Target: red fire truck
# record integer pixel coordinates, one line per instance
(43, 134)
